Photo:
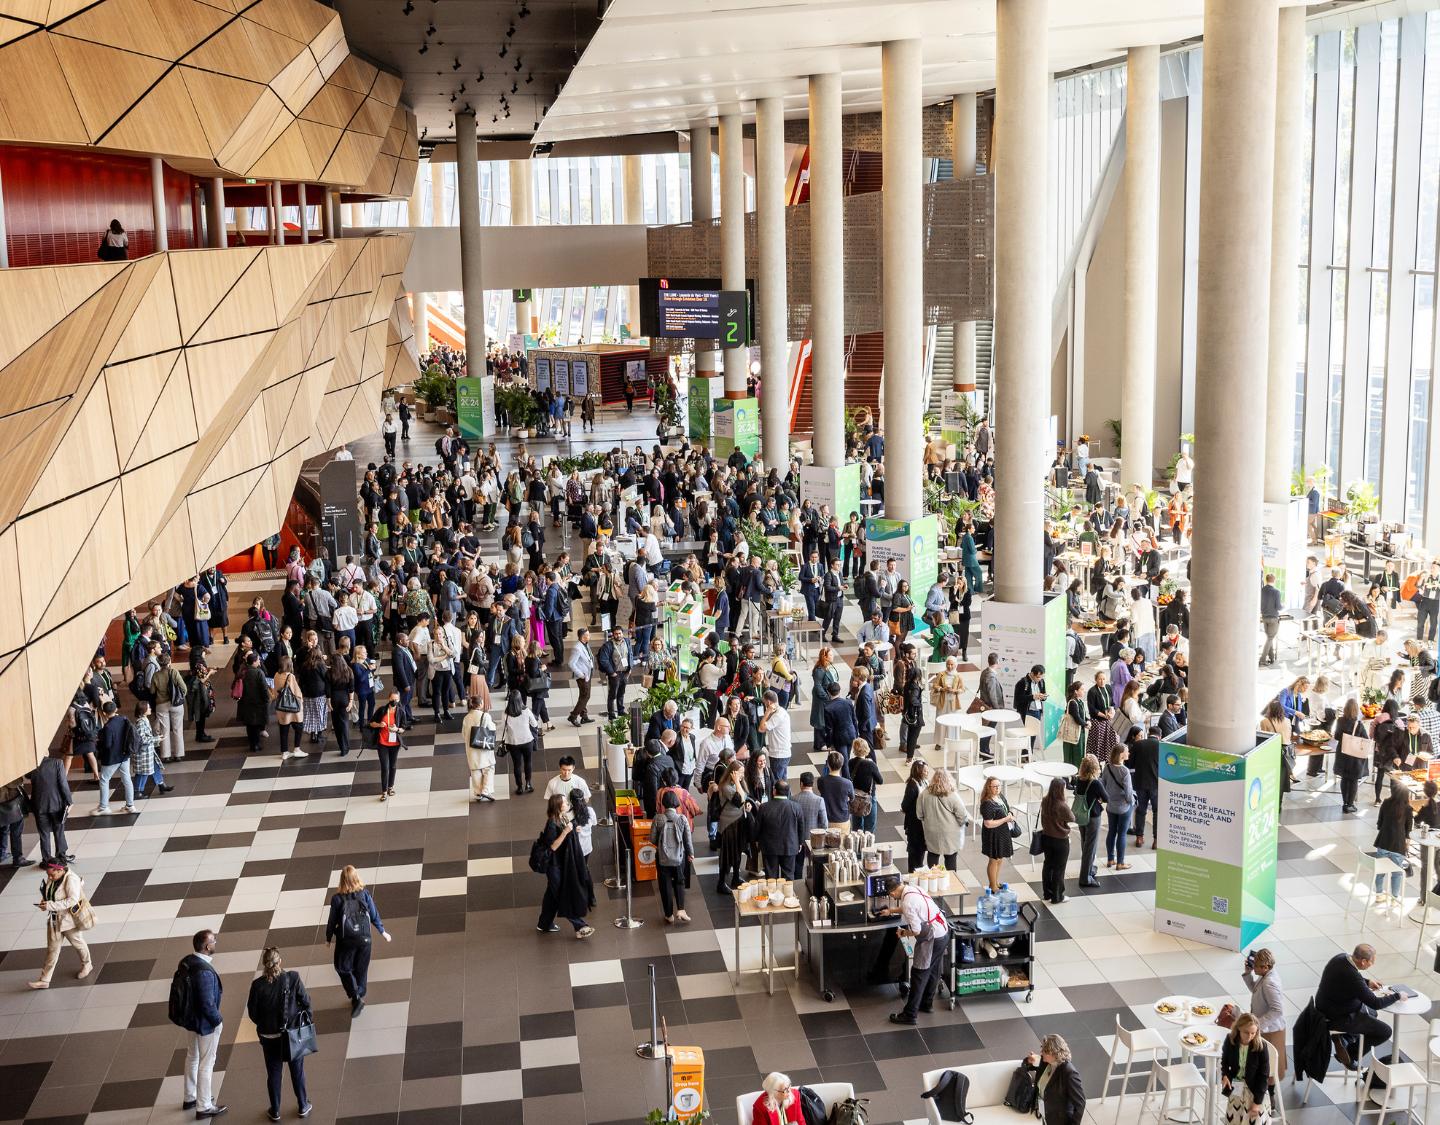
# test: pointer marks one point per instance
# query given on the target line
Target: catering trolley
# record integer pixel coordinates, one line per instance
(1010, 968)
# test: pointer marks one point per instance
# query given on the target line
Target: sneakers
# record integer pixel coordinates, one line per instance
(583, 932)
(305, 1110)
(86, 970)
(551, 929)
(213, 1111)
(99, 812)
(356, 1007)
(904, 1018)
(38, 984)
(681, 917)
(131, 809)
(273, 1114)
(298, 753)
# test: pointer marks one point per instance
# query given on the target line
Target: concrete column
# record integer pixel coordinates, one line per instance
(962, 120)
(1023, 288)
(304, 215)
(732, 237)
(902, 276)
(467, 170)
(772, 294)
(634, 200)
(157, 203)
(1285, 253)
(438, 214)
(277, 214)
(327, 215)
(1232, 339)
(827, 273)
(420, 315)
(215, 213)
(1142, 232)
(522, 214)
(702, 206)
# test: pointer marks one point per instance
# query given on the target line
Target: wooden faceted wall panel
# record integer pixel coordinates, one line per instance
(156, 416)
(264, 89)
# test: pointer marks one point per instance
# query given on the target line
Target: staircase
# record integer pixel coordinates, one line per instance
(944, 367)
(864, 364)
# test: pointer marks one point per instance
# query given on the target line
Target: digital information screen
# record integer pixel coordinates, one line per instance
(689, 313)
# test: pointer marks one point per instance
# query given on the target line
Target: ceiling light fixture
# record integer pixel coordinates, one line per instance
(455, 65)
(504, 49)
(524, 10)
(494, 119)
(514, 87)
(424, 47)
(519, 64)
(529, 78)
(480, 76)
(429, 31)
(409, 7)
(510, 32)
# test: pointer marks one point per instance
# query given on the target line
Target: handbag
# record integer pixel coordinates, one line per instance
(1080, 806)
(83, 915)
(1015, 830)
(1353, 746)
(300, 1040)
(202, 611)
(286, 702)
(1070, 730)
(1037, 846)
(237, 688)
(481, 737)
(860, 804)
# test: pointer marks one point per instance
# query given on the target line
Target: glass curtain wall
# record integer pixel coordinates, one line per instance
(1087, 113)
(580, 191)
(1365, 342)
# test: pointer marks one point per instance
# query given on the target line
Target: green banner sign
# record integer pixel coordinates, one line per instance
(470, 406)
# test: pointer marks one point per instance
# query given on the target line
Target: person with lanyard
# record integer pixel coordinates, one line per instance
(922, 921)
(387, 741)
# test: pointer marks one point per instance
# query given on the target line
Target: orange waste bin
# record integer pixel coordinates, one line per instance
(687, 1083)
(643, 848)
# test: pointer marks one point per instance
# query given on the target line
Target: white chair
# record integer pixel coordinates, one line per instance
(1036, 733)
(1275, 1097)
(1432, 1053)
(1145, 1041)
(1424, 921)
(1396, 1076)
(1367, 869)
(1177, 1078)
(831, 1093)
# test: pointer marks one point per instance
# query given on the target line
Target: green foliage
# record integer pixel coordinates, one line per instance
(1361, 500)
(664, 690)
(581, 462)
(949, 508)
(661, 1116)
(1113, 424)
(1299, 476)
(617, 731)
(667, 406)
(436, 389)
(516, 401)
(763, 551)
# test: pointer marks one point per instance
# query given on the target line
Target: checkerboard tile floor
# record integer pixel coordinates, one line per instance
(473, 1016)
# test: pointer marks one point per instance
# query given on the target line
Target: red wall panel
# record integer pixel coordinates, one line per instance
(58, 203)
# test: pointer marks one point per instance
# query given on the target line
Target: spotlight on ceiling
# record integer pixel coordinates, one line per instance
(514, 87)
(480, 76)
(494, 119)
(429, 31)
(524, 10)
(529, 78)
(504, 49)
(409, 7)
(510, 32)
(519, 63)
(424, 47)
(455, 65)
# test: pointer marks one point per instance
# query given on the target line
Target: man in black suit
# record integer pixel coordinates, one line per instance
(50, 801)
(1348, 1000)
(782, 824)
(839, 721)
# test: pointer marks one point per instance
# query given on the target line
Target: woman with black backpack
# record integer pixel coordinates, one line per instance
(279, 1006)
(352, 916)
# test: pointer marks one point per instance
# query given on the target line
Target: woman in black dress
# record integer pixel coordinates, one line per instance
(996, 843)
(340, 679)
(567, 878)
(1100, 738)
(902, 616)
(914, 826)
(1347, 768)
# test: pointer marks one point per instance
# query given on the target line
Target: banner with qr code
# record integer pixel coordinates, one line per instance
(1218, 829)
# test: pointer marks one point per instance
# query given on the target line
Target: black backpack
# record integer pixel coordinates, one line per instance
(541, 855)
(851, 1111)
(177, 689)
(87, 726)
(182, 995)
(1021, 1094)
(354, 920)
(950, 1095)
(812, 1109)
(562, 602)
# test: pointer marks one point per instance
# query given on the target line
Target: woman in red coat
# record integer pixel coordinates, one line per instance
(779, 1104)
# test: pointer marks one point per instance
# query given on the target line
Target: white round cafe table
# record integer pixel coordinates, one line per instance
(1049, 770)
(1000, 715)
(1005, 775)
(1416, 1005)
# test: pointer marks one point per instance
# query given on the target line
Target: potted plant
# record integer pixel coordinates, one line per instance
(617, 746)
(1113, 424)
(763, 551)
(1361, 503)
(661, 1116)
(663, 691)
(436, 390)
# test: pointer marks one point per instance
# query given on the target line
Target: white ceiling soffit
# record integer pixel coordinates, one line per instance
(659, 64)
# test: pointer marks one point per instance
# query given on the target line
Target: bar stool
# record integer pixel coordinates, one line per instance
(1367, 868)
(1179, 1078)
(1348, 1075)
(1396, 1076)
(1146, 1040)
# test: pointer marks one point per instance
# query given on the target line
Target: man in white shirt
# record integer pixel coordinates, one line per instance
(388, 429)
(775, 725)
(582, 667)
(420, 650)
(343, 454)
(874, 630)
(707, 750)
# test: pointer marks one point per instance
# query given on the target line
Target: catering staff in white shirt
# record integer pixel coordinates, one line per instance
(775, 726)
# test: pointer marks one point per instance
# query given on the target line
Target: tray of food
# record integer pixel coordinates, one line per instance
(1195, 1039)
(1201, 1010)
(1167, 1007)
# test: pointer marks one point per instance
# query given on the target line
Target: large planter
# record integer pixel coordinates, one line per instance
(615, 762)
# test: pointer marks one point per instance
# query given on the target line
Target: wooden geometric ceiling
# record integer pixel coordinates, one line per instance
(246, 88)
(155, 418)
